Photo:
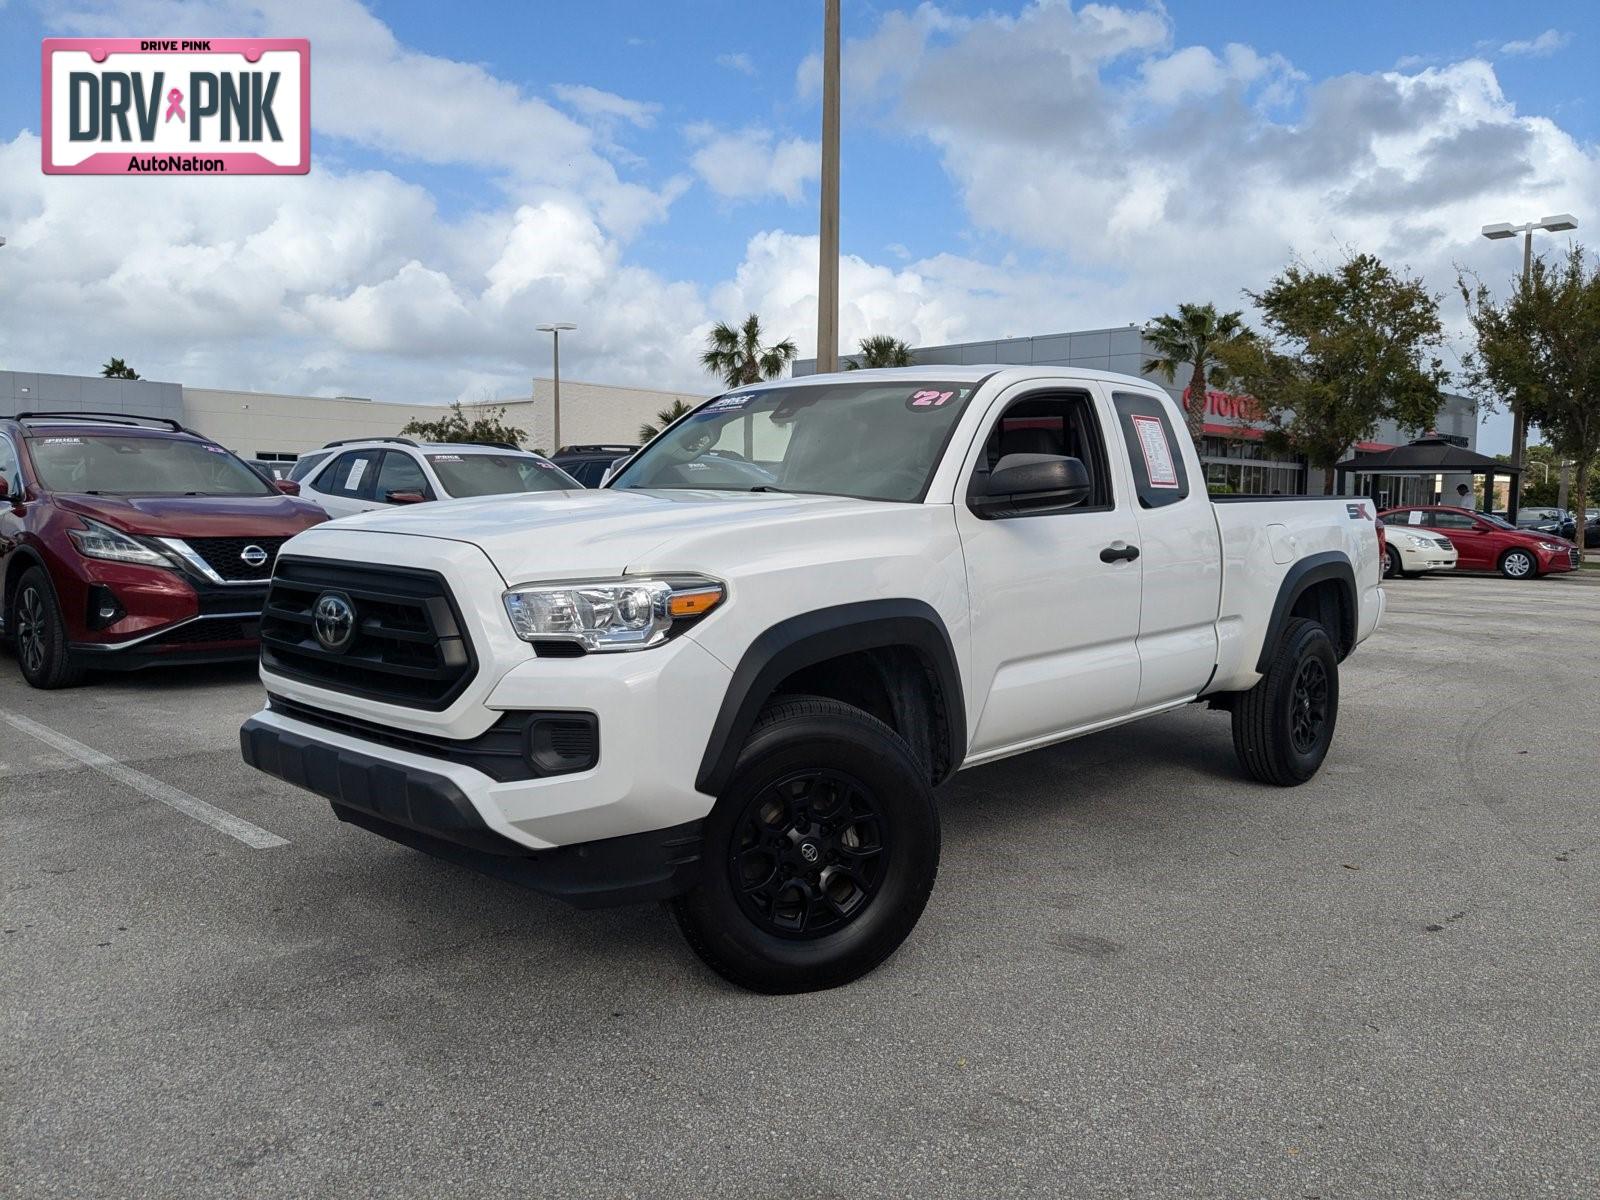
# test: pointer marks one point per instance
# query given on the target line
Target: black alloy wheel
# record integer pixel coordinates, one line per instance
(1310, 706)
(820, 854)
(1283, 726)
(808, 853)
(30, 630)
(41, 635)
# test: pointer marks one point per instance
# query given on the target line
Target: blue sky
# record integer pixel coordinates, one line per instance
(646, 168)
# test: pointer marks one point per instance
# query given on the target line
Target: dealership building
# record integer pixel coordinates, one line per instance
(281, 427)
(1233, 451)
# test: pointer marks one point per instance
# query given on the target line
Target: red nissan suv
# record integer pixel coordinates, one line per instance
(131, 541)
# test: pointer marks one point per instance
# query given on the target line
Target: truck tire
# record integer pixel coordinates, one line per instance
(41, 635)
(820, 855)
(1283, 726)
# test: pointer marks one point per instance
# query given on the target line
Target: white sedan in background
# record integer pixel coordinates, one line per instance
(1413, 551)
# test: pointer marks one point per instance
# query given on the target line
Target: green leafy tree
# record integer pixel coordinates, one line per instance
(117, 369)
(736, 356)
(664, 418)
(881, 350)
(1344, 350)
(1543, 343)
(487, 424)
(1194, 339)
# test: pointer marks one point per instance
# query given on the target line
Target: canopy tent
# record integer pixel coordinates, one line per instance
(1433, 456)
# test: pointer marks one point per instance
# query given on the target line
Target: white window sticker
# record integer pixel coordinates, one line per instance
(730, 403)
(439, 458)
(63, 441)
(1158, 463)
(1414, 517)
(357, 470)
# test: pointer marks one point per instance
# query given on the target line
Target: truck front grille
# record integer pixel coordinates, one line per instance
(407, 645)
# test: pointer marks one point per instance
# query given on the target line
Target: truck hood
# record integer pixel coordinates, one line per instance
(593, 534)
(197, 516)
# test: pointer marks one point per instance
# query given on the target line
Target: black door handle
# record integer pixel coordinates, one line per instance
(1113, 554)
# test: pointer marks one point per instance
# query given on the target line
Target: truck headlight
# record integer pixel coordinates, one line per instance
(611, 614)
(101, 541)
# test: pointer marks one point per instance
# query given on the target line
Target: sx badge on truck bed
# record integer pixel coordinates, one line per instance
(206, 106)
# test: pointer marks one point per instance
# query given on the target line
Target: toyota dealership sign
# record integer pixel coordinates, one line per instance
(168, 106)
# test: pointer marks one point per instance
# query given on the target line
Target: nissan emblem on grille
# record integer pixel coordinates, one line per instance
(253, 556)
(334, 621)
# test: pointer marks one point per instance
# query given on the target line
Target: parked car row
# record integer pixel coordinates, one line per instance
(1437, 537)
(130, 541)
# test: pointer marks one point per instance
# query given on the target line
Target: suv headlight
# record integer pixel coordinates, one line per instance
(611, 614)
(101, 541)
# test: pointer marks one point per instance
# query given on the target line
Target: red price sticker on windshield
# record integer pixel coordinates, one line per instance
(928, 399)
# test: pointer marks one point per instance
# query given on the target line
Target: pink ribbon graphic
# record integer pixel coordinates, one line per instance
(175, 106)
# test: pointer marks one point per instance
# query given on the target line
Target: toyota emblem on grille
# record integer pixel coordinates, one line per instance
(253, 556)
(333, 620)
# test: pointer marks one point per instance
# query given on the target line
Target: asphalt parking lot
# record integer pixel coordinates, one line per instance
(1139, 974)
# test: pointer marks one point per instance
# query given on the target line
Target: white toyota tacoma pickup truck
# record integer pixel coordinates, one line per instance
(732, 678)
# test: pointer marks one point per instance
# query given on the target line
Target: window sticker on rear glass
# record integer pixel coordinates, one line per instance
(1158, 462)
(928, 400)
(444, 458)
(63, 441)
(357, 470)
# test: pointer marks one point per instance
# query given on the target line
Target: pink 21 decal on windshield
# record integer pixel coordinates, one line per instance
(928, 399)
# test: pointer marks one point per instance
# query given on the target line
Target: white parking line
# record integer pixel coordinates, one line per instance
(189, 806)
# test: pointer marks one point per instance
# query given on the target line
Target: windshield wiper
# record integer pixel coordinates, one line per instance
(764, 487)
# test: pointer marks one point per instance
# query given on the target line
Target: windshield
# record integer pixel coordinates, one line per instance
(872, 441)
(110, 465)
(494, 474)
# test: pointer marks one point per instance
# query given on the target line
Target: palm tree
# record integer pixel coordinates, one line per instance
(1195, 339)
(881, 350)
(664, 418)
(117, 369)
(737, 357)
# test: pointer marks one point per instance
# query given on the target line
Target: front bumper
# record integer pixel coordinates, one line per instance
(1431, 559)
(431, 811)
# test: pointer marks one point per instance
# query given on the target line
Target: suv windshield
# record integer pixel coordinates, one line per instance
(872, 441)
(141, 465)
(493, 474)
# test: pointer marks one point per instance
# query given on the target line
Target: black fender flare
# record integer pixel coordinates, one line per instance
(815, 637)
(1301, 576)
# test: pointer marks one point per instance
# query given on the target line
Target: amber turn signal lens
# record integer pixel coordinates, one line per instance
(695, 603)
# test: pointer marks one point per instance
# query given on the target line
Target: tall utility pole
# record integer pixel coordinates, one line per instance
(828, 226)
(1519, 418)
(555, 329)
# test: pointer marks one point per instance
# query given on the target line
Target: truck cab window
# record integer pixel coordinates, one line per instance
(1059, 424)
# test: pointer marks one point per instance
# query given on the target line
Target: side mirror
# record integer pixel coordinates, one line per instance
(287, 486)
(403, 497)
(1030, 483)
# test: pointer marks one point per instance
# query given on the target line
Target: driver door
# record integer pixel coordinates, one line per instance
(1054, 624)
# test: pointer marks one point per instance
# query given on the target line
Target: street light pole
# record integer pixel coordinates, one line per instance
(828, 223)
(555, 329)
(1519, 418)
